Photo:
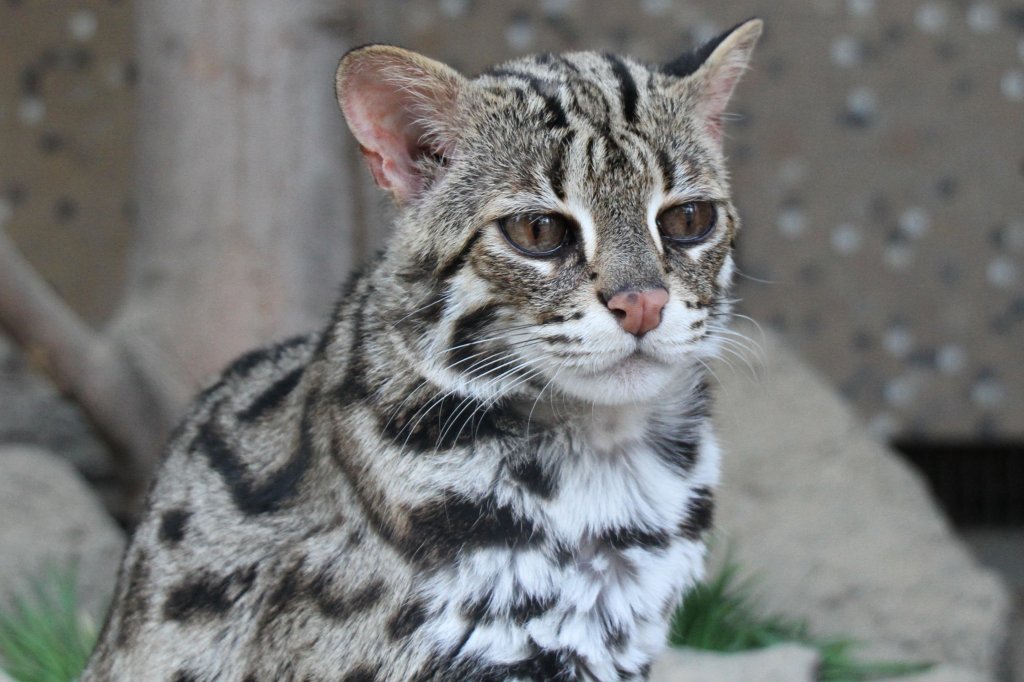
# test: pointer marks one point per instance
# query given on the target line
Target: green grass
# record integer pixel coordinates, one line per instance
(44, 636)
(724, 615)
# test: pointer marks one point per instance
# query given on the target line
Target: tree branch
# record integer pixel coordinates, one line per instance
(128, 401)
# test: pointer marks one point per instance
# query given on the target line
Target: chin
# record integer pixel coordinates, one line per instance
(628, 381)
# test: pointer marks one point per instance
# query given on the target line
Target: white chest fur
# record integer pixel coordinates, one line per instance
(610, 570)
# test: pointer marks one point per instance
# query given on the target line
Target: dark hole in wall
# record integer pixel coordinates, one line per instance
(978, 483)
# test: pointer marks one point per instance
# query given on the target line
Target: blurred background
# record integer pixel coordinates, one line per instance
(877, 151)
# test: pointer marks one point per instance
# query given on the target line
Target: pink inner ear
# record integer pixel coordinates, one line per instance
(716, 99)
(380, 117)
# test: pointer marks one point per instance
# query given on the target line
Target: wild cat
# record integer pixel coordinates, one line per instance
(495, 462)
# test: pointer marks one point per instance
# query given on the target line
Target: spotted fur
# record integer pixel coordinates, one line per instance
(474, 472)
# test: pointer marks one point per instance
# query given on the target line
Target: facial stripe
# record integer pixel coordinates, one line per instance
(542, 89)
(627, 88)
(668, 170)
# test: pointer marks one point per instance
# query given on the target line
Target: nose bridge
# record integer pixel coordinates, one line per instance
(626, 256)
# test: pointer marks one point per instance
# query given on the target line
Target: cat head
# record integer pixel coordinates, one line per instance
(565, 221)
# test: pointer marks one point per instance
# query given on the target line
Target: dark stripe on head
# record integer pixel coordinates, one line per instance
(546, 90)
(273, 397)
(627, 88)
(668, 170)
(455, 263)
(556, 173)
(700, 514)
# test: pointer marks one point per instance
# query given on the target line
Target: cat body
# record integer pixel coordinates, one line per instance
(496, 461)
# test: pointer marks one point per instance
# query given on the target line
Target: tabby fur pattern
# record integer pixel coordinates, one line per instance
(474, 472)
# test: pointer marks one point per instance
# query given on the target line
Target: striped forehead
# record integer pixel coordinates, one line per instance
(603, 90)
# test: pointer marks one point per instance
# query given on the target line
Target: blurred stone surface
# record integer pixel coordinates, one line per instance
(34, 413)
(52, 519)
(784, 663)
(943, 673)
(838, 530)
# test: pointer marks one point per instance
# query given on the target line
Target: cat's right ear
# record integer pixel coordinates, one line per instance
(401, 107)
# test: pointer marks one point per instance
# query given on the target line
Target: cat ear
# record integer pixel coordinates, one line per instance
(401, 108)
(715, 68)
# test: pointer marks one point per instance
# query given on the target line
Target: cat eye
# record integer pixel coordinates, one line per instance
(536, 234)
(689, 222)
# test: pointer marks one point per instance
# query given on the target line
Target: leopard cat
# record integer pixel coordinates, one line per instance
(495, 462)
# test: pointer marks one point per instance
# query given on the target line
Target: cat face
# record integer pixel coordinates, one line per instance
(566, 222)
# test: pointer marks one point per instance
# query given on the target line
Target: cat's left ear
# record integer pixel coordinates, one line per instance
(401, 107)
(714, 69)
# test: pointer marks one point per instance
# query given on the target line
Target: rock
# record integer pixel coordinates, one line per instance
(51, 519)
(943, 673)
(34, 413)
(839, 530)
(783, 663)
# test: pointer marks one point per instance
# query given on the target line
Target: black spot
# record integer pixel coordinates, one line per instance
(172, 526)
(441, 528)
(185, 676)
(688, 62)
(678, 449)
(343, 606)
(273, 397)
(252, 497)
(363, 673)
(548, 665)
(206, 595)
(284, 597)
(699, 515)
(627, 88)
(407, 620)
(627, 538)
(530, 607)
(529, 472)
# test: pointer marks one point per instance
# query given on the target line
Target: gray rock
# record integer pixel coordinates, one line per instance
(52, 519)
(944, 673)
(35, 413)
(839, 530)
(784, 663)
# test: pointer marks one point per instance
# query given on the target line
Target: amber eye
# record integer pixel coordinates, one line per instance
(536, 234)
(689, 222)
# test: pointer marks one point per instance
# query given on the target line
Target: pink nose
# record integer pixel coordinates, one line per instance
(639, 311)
